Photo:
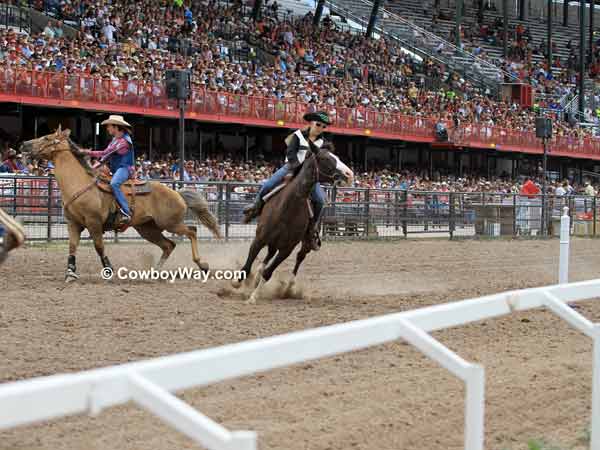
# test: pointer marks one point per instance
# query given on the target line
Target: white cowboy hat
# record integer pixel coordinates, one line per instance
(116, 120)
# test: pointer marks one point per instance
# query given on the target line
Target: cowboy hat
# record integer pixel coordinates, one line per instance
(319, 116)
(116, 120)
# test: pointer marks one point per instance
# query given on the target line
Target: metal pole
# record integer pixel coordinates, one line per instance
(318, 12)
(592, 7)
(581, 58)
(544, 227)
(459, 8)
(373, 18)
(565, 13)
(505, 31)
(181, 139)
(35, 127)
(96, 134)
(565, 227)
(549, 37)
(522, 6)
(256, 10)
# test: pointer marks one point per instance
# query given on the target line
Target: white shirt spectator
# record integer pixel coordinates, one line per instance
(109, 32)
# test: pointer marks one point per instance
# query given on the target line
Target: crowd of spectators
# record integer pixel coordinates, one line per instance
(256, 172)
(324, 66)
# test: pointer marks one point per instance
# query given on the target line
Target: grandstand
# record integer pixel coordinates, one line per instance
(256, 68)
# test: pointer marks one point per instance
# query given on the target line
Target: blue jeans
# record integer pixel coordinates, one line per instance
(317, 195)
(120, 177)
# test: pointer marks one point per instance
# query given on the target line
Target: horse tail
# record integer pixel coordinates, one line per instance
(198, 204)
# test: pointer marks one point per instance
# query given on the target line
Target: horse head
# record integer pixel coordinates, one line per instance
(47, 146)
(331, 169)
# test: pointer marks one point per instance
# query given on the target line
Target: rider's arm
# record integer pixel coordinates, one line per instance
(292, 152)
(120, 146)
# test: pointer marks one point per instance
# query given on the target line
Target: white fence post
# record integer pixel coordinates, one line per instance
(595, 422)
(578, 321)
(475, 408)
(565, 236)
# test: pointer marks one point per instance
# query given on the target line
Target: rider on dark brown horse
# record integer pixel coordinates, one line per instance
(298, 143)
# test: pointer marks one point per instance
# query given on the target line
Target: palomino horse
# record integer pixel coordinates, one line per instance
(11, 236)
(284, 220)
(87, 206)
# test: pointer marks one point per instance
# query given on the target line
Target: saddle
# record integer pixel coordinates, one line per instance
(129, 188)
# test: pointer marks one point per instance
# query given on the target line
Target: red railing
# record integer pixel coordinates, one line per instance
(149, 98)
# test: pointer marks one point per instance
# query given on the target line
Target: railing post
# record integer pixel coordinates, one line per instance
(15, 196)
(563, 266)
(514, 215)
(396, 205)
(220, 204)
(227, 209)
(594, 216)
(367, 211)
(49, 206)
(405, 215)
(451, 224)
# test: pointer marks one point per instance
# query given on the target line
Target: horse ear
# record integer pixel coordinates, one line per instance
(59, 129)
(66, 133)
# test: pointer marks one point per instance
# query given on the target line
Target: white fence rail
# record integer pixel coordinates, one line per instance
(149, 383)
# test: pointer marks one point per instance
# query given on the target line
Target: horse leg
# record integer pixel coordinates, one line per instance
(268, 272)
(292, 291)
(183, 230)
(305, 250)
(152, 233)
(255, 249)
(97, 236)
(270, 253)
(74, 236)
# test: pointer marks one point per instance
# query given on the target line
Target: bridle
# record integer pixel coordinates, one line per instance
(318, 173)
(53, 142)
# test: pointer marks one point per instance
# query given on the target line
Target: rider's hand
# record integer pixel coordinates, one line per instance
(288, 177)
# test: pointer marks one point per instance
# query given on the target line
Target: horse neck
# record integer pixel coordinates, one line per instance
(306, 179)
(69, 174)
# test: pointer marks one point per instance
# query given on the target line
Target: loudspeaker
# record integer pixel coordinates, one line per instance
(178, 84)
(543, 127)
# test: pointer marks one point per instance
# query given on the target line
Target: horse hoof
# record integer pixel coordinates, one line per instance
(71, 276)
(204, 267)
(236, 284)
(251, 300)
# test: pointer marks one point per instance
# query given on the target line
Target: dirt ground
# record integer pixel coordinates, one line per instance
(385, 398)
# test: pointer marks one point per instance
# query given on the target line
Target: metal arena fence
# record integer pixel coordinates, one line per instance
(350, 213)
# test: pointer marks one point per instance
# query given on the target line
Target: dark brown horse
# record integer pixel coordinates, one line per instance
(284, 221)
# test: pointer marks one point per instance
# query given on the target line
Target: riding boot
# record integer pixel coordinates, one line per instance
(254, 210)
(125, 217)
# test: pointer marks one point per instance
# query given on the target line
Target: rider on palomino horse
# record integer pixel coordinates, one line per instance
(298, 143)
(120, 157)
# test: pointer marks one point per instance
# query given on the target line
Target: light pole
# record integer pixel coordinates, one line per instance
(543, 130)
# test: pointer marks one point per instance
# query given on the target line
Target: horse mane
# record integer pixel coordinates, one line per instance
(80, 157)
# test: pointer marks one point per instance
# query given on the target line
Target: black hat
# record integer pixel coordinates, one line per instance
(319, 116)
